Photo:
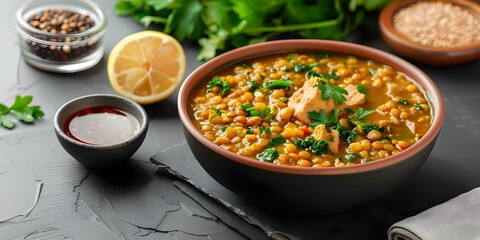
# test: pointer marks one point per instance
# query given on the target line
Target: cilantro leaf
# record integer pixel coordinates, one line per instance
(253, 85)
(317, 147)
(265, 113)
(276, 141)
(332, 91)
(351, 157)
(279, 84)
(4, 109)
(218, 82)
(361, 89)
(298, 67)
(321, 117)
(268, 155)
(25, 116)
(21, 103)
(250, 109)
(324, 77)
(6, 122)
(418, 106)
(220, 25)
(361, 113)
(404, 101)
(21, 111)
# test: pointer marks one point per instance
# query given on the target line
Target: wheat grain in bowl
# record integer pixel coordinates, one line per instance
(303, 181)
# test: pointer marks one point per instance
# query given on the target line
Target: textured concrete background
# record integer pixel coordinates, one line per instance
(46, 194)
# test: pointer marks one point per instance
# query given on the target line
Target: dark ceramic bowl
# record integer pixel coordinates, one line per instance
(428, 55)
(306, 189)
(100, 155)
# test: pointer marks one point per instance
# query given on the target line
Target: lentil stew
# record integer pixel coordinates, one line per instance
(311, 109)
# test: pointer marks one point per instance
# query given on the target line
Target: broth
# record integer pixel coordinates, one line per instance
(101, 126)
(311, 109)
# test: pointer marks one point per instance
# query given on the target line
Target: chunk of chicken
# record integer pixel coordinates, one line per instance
(411, 125)
(308, 98)
(332, 138)
(354, 97)
(394, 89)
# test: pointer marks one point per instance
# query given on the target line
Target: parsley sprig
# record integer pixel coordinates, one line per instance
(218, 82)
(19, 111)
(279, 84)
(336, 93)
(321, 117)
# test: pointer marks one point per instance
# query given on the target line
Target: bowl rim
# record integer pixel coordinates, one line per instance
(388, 30)
(143, 122)
(29, 32)
(279, 46)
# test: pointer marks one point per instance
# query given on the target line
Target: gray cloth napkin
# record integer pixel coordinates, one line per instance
(456, 219)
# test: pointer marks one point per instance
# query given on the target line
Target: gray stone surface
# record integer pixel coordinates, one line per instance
(46, 194)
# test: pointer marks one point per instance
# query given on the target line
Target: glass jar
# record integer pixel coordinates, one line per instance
(61, 35)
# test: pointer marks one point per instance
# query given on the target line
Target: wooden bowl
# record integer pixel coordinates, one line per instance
(429, 55)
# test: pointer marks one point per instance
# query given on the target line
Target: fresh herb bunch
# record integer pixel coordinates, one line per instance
(220, 25)
(20, 110)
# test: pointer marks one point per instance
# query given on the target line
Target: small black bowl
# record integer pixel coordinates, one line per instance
(100, 155)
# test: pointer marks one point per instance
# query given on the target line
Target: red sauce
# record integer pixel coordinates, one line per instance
(101, 126)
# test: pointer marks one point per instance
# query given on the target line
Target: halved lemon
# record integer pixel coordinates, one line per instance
(146, 66)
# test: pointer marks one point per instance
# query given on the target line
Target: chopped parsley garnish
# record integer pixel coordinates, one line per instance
(279, 84)
(304, 143)
(218, 82)
(218, 111)
(385, 138)
(321, 117)
(404, 102)
(268, 155)
(372, 127)
(247, 65)
(283, 99)
(349, 111)
(254, 85)
(321, 56)
(351, 157)
(20, 110)
(360, 117)
(267, 130)
(252, 112)
(265, 113)
(362, 113)
(372, 71)
(276, 141)
(327, 76)
(264, 130)
(365, 160)
(223, 128)
(336, 93)
(298, 67)
(326, 90)
(418, 107)
(350, 137)
(291, 57)
(362, 89)
(317, 147)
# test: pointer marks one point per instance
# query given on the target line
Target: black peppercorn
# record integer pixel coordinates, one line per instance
(62, 22)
